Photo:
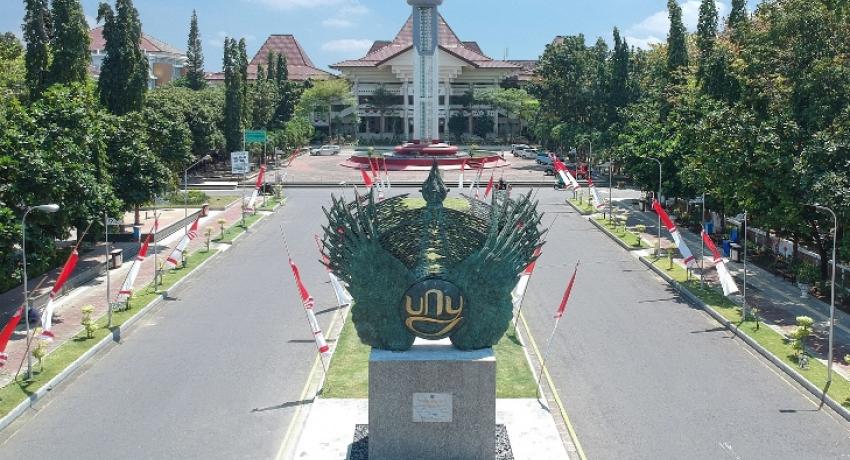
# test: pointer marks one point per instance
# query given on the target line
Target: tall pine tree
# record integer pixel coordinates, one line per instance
(124, 73)
(70, 43)
(706, 34)
(195, 56)
(242, 62)
(270, 63)
(37, 32)
(232, 96)
(738, 15)
(619, 72)
(281, 73)
(677, 47)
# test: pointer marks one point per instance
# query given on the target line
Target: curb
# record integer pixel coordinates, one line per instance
(576, 209)
(103, 343)
(613, 236)
(693, 299)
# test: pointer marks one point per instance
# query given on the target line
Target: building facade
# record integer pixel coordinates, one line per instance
(298, 64)
(463, 70)
(166, 63)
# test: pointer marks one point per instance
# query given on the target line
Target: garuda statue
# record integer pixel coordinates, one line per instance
(430, 271)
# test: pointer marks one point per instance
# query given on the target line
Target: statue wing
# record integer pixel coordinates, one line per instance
(376, 279)
(488, 275)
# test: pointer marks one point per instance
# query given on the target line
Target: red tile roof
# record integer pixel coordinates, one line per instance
(148, 43)
(382, 51)
(298, 64)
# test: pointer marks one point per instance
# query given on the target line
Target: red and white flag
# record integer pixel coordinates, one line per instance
(6, 334)
(597, 200)
(687, 255)
(489, 186)
(367, 181)
(563, 306)
(566, 177)
(309, 303)
(519, 290)
(726, 280)
(176, 255)
(47, 314)
(460, 179)
(127, 287)
(476, 178)
(260, 180)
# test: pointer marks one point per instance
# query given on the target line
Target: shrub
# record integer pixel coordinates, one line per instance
(87, 321)
(807, 273)
(196, 197)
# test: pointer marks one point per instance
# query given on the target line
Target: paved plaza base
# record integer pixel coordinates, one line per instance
(328, 433)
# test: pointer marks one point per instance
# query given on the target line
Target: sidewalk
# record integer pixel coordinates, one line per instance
(67, 316)
(778, 301)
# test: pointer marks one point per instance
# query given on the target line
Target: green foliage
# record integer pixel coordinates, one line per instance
(202, 111)
(124, 73)
(87, 321)
(319, 97)
(37, 31)
(516, 103)
(677, 47)
(70, 43)
(807, 273)
(12, 67)
(195, 197)
(457, 125)
(482, 125)
(195, 56)
(234, 96)
(706, 33)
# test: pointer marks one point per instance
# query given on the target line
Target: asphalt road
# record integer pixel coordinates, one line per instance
(644, 375)
(214, 373)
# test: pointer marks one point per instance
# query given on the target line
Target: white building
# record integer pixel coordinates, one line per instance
(165, 62)
(462, 67)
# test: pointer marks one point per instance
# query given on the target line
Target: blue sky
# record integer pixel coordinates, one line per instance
(334, 30)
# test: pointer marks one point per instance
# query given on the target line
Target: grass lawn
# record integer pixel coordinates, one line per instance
(271, 202)
(584, 207)
(631, 239)
(236, 228)
(348, 376)
(458, 204)
(215, 202)
(765, 336)
(17, 391)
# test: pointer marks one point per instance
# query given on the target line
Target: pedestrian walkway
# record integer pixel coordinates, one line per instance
(67, 316)
(778, 301)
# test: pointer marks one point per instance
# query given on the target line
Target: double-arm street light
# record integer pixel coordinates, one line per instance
(658, 243)
(48, 208)
(832, 298)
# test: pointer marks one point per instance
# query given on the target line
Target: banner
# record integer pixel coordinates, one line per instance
(727, 282)
(176, 255)
(687, 255)
(309, 303)
(6, 334)
(257, 187)
(47, 314)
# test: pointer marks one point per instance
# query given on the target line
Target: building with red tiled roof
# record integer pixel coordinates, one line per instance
(165, 62)
(389, 64)
(298, 64)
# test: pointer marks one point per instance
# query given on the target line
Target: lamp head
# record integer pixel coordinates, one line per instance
(206, 157)
(49, 208)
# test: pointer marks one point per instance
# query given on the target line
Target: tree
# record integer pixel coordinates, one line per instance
(242, 63)
(281, 73)
(264, 102)
(124, 73)
(382, 100)
(457, 125)
(233, 102)
(138, 175)
(483, 125)
(12, 68)
(195, 56)
(270, 64)
(677, 47)
(620, 83)
(320, 98)
(37, 33)
(202, 112)
(738, 15)
(706, 34)
(515, 102)
(261, 72)
(70, 43)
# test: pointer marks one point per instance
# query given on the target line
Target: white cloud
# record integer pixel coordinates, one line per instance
(353, 8)
(337, 22)
(647, 31)
(347, 45)
(218, 41)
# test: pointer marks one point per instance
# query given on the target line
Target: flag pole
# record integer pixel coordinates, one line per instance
(543, 358)
(306, 315)
(558, 315)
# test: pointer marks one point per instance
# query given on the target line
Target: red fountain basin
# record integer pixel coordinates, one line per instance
(414, 156)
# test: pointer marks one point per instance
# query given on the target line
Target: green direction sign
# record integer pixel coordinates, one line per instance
(255, 136)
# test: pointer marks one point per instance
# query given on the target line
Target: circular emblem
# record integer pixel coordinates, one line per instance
(433, 308)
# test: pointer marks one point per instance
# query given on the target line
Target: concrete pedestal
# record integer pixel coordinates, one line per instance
(432, 402)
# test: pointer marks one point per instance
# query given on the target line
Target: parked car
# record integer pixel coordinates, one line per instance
(543, 158)
(325, 150)
(529, 153)
(517, 149)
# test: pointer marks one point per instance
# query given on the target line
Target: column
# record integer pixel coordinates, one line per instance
(448, 90)
(404, 117)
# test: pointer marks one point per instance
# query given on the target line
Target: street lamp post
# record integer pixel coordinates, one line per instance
(610, 190)
(702, 244)
(832, 299)
(744, 294)
(658, 198)
(48, 208)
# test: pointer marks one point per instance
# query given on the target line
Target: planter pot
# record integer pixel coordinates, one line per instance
(804, 290)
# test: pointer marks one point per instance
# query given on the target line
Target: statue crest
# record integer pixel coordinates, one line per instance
(431, 271)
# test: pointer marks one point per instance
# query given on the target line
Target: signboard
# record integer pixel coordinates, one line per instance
(111, 221)
(239, 163)
(255, 136)
(432, 408)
